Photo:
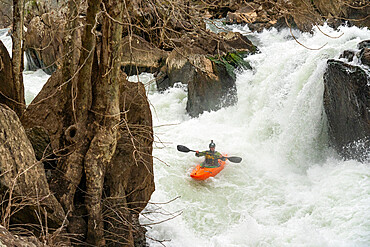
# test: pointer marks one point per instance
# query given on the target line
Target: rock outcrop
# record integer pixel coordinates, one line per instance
(141, 56)
(300, 14)
(347, 105)
(205, 65)
(23, 181)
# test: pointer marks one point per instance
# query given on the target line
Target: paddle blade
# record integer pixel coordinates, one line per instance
(234, 159)
(182, 148)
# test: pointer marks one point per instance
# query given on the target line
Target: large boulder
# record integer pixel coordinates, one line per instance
(211, 89)
(23, 179)
(141, 56)
(206, 64)
(347, 106)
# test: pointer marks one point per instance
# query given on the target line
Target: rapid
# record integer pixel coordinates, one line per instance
(290, 189)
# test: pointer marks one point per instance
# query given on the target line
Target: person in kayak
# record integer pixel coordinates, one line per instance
(211, 156)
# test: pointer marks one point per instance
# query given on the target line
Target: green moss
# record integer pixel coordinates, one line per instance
(231, 61)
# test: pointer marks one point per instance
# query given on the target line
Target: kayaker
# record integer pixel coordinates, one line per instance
(211, 155)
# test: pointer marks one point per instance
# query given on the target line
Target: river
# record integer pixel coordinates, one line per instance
(291, 189)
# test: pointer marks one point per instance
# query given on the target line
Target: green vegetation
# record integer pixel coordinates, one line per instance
(231, 61)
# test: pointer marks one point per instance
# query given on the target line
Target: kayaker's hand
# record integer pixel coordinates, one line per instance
(223, 158)
(197, 153)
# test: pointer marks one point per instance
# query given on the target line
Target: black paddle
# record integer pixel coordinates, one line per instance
(184, 149)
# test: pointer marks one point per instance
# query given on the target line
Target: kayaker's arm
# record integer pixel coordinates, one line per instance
(199, 154)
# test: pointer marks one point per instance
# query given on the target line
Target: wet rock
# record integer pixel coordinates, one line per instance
(347, 106)
(207, 65)
(364, 56)
(211, 89)
(348, 54)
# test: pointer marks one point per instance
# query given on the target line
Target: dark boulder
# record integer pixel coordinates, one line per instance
(347, 106)
(207, 65)
(210, 89)
(364, 56)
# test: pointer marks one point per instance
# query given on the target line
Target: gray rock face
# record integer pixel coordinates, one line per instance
(347, 106)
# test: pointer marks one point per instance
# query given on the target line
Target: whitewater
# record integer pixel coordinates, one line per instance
(291, 189)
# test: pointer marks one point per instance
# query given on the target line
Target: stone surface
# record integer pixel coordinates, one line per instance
(140, 56)
(7, 239)
(347, 106)
(24, 176)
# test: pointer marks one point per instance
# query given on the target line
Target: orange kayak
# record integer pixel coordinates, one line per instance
(202, 173)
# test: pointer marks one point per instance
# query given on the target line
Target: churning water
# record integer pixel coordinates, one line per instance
(290, 189)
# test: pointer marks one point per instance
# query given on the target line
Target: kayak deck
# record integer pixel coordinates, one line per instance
(202, 173)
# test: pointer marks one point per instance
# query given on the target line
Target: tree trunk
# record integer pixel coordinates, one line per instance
(102, 190)
(93, 126)
(105, 108)
(17, 55)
